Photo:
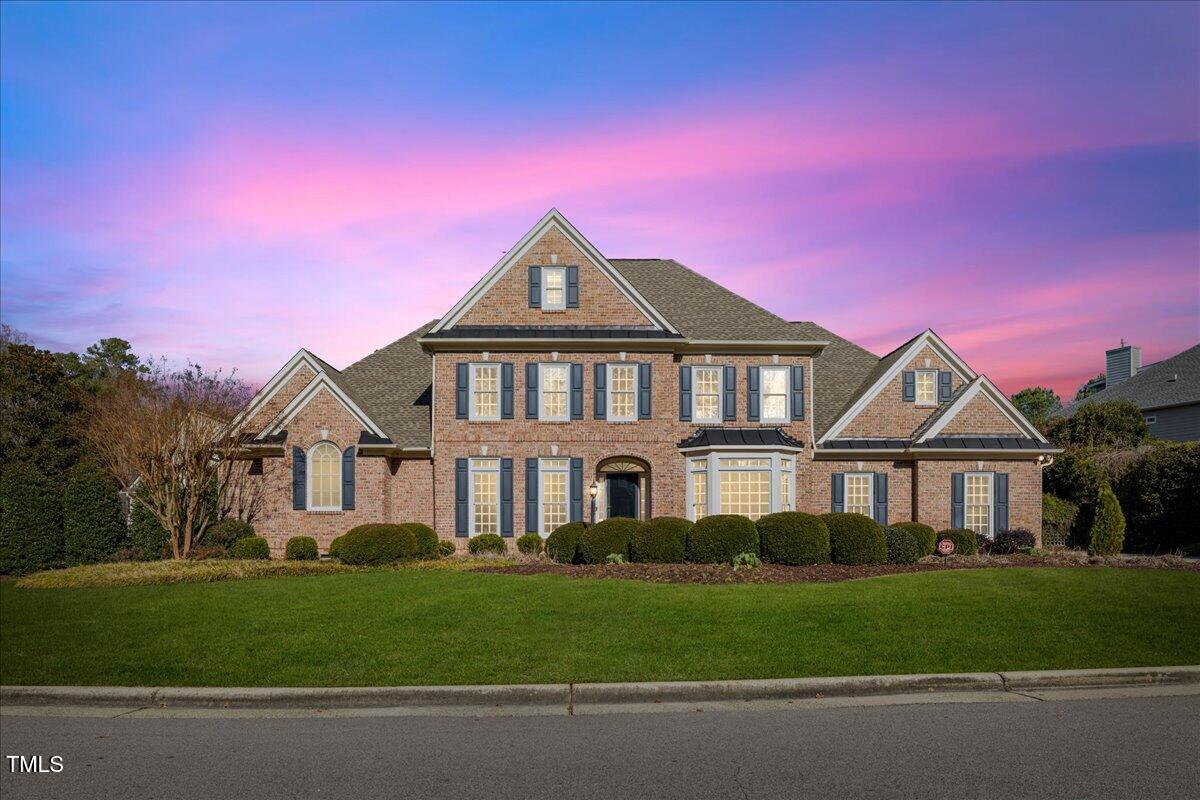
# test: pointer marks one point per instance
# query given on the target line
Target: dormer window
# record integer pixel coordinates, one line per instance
(554, 288)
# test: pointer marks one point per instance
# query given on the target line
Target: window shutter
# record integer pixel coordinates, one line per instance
(577, 391)
(881, 498)
(685, 394)
(299, 480)
(506, 391)
(1000, 497)
(462, 386)
(506, 497)
(348, 479)
(944, 386)
(531, 495)
(797, 392)
(910, 386)
(956, 500)
(838, 492)
(752, 394)
(600, 408)
(572, 287)
(531, 391)
(576, 490)
(535, 287)
(729, 388)
(460, 497)
(644, 392)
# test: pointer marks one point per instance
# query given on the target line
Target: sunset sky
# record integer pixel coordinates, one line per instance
(231, 183)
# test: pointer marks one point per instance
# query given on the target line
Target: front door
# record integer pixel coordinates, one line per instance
(622, 492)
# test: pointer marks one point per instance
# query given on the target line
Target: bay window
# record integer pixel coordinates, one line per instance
(750, 484)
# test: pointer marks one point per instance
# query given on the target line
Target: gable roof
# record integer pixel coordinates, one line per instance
(937, 421)
(1173, 382)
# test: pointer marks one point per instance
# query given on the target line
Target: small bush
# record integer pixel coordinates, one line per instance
(1058, 518)
(446, 548)
(487, 543)
(530, 544)
(301, 548)
(902, 547)
(147, 535)
(925, 536)
(746, 561)
(965, 541)
(855, 539)
(31, 534)
(717, 539)
(227, 531)
(791, 537)
(662, 540)
(563, 542)
(93, 525)
(1107, 533)
(374, 544)
(614, 558)
(250, 548)
(1014, 540)
(983, 544)
(426, 540)
(607, 537)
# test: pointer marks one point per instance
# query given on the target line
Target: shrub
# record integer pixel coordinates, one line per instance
(607, 537)
(1112, 425)
(1107, 532)
(251, 547)
(93, 525)
(227, 531)
(1014, 540)
(1159, 499)
(662, 540)
(1058, 517)
(487, 543)
(530, 544)
(614, 558)
(374, 544)
(1074, 476)
(31, 535)
(300, 548)
(563, 542)
(425, 538)
(855, 539)
(791, 537)
(446, 548)
(746, 561)
(148, 537)
(965, 542)
(902, 547)
(925, 536)
(717, 539)
(983, 544)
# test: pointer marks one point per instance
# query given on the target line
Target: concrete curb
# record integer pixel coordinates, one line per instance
(570, 696)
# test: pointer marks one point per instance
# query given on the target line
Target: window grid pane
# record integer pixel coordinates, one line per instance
(622, 391)
(553, 288)
(858, 494)
(554, 391)
(926, 387)
(487, 391)
(978, 504)
(785, 491)
(707, 390)
(554, 500)
(487, 506)
(326, 479)
(745, 492)
(774, 393)
(699, 495)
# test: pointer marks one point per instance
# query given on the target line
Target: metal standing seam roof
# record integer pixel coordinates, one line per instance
(739, 437)
(940, 443)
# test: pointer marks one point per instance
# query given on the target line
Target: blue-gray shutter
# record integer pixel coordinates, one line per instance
(881, 498)
(600, 407)
(752, 396)
(531, 391)
(909, 384)
(462, 387)
(299, 480)
(837, 494)
(685, 393)
(460, 497)
(572, 287)
(577, 391)
(531, 495)
(535, 287)
(729, 388)
(956, 500)
(506, 497)
(797, 392)
(1000, 508)
(576, 490)
(644, 393)
(348, 479)
(507, 384)
(945, 387)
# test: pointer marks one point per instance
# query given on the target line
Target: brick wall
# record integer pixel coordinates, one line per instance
(900, 485)
(888, 415)
(1024, 491)
(980, 417)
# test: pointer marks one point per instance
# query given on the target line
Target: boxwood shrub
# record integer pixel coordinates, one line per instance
(446, 548)
(925, 536)
(487, 543)
(1015, 540)
(31, 534)
(603, 539)
(301, 548)
(662, 540)
(563, 542)
(530, 544)
(374, 544)
(251, 547)
(902, 546)
(791, 537)
(93, 525)
(227, 531)
(965, 541)
(717, 539)
(425, 538)
(855, 539)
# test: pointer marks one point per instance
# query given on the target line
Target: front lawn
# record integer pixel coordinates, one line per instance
(444, 627)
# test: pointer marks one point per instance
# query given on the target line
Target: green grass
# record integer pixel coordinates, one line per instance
(443, 627)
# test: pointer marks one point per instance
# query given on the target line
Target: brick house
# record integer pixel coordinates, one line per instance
(566, 385)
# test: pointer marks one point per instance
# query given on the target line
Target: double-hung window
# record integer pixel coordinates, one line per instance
(859, 490)
(554, 288)
(774, 394)
(324, 477)
(622, 392)
(927, 387)
(698, 477)
(484, 494)
(787, 480)
(977, 512)
(706, 394)
(553, 474)
(485, 391)
(554, 381)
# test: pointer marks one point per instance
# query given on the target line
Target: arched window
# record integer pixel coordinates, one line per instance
(324, 477)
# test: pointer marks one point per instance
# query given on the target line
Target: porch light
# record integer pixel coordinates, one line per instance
(594, 490)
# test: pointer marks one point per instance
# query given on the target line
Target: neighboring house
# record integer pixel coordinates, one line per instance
(1167, 392)
(569, 386)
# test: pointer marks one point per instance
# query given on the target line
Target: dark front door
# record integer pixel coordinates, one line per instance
(623, 495)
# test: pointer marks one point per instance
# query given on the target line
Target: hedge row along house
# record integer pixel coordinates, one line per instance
(570, 386)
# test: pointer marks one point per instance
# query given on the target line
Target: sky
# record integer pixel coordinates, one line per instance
(229, 183)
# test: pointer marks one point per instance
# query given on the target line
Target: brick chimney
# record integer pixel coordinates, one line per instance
(1121, 364)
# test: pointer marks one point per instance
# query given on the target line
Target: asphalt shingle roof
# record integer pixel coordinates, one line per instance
(393, 386)
(1173, 382)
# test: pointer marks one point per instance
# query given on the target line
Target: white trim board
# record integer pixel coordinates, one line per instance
(302, 358)
(302, 398)
(981, 385)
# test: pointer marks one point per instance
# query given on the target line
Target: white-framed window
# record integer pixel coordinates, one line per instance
(750, 484)
(787, 480)
(698, 486)
(745, 486)
(554, 288)
(706, 394)
(977, 496)
(860, 490)
(324, 477)
(1151, 419)
(484, 495)
(927, 387)
(622, 392)
(553, 494)
(485, 391)
(554, 391)
(773, 386)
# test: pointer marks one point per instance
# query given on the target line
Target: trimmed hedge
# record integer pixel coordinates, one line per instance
(603, 539)
(855, 539)
(662, 540)
(251, 547)
(563, 542)
(902, 546)
(925, 536)
(791, 537)
(301, 548)
(1058, 518)
(1106, 535)
(446, 548)
(227, 531)
(31, 534)
(1015, 540)
(717, 539)
(374, 544)
(966, 543)
(425, 538)
(1159, 499)
(530, 544)
(487, 543)
(93, 525)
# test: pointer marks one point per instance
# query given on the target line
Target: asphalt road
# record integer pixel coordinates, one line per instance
(1120, 748)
